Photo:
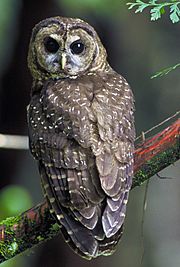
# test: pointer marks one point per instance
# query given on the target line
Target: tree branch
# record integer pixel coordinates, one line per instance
(37, 225)
(9, 141)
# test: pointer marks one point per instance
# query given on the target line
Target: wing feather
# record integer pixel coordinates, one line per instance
(113, 107)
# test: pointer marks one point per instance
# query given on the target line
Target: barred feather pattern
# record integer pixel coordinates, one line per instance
(82, 133)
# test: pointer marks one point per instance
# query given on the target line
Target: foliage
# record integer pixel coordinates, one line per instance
(165, 71)
(158, 9)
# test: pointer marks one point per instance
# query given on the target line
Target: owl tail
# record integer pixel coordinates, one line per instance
(108, 245)
(79, 238)
(83, 240)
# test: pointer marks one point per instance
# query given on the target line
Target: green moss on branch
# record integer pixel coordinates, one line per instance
(19, 233)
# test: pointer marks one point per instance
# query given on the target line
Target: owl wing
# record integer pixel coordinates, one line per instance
(66, 167)
(113, 107)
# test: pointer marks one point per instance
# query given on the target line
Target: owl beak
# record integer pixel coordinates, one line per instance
(63, 61)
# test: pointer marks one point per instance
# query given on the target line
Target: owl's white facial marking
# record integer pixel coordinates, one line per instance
(74, 64)
(52, 61)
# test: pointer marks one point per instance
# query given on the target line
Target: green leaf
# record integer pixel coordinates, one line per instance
(131, 5)
(156, 13)
(175, 13)
(162, 10)
(141, 8)
(165, 71)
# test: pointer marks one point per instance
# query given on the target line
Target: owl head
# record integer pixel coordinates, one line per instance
(64, 47)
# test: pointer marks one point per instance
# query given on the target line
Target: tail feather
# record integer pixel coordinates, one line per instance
(108, 245)
(77, 236)
(88, 243)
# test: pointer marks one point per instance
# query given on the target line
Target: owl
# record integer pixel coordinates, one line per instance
(81, 132)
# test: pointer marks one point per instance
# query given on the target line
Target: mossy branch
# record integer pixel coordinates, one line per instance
(37, 225)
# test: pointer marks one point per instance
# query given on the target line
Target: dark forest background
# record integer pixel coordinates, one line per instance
(137, 48)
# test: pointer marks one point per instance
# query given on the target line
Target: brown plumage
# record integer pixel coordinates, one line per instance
(81, 131)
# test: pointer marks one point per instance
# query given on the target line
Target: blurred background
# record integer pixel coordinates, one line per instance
(137, 48)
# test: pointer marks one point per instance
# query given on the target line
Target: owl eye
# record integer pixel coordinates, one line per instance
(77, 47)
(51, 45)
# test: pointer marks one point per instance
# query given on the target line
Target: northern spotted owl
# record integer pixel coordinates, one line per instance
(81, 132)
